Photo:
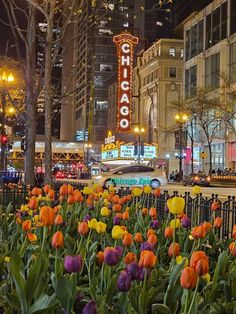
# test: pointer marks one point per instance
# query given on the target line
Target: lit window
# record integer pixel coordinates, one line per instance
(172, 72)
(159, 23)
(181, 53)
(126, 24)
(172, 52)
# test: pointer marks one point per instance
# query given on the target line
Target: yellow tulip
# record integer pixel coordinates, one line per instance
(92, 224)
(180, 258)
(175, 223)
(111, 188)
(147, 189)
(87, 190)
(36, 218)
(137, 191)
(105, 202)
(101, 227)
(24, 208)
(117, 232)
(176, 205)
(196, 189)
(105, 212)
(7, 259)
(207, 277)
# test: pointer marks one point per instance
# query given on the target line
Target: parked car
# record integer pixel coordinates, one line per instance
(197, 179)
(134, 175)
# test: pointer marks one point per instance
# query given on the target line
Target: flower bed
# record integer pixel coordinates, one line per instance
(93, 251)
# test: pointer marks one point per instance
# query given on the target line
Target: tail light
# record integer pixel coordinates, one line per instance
(208, 179)
(196, 178)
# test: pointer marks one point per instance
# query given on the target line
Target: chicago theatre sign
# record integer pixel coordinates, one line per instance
(125, 49)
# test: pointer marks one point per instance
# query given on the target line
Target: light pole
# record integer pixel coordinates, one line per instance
(139, 131)
(87, 147)
(5, 80)
(180, 119)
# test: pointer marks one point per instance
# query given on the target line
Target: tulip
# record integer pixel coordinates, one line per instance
(215, 205)
(46, 188)
(188, 279)
(124, 281)
(115, 198)
(101, 227)
(92, 224)
(234, 232)
(232, 248)
(198, 232)
(218, 222)
(147, 189)
(155, 224)
(87, 190)
(200, 262)
(144, 211)
(147, 259)
(116, 220)
(207, 226)
(176, 205)
(138, 237)
(196, 189)
(145, 246)
(117, 232)
(157, 192)
(51, 194)
(83, 228)
(134, 270)
(58, 240)
(110, 257)
(119, 251)
(126, 215)
(153, 212)
(175, 223)
(105, 212)
(150, 231)
(33, 202)
(116, 207)
(73, 264)
(70, 199)
(100, 258)
(127, 239)
(26, 225)
(152, 239)
(137, 192)
(174, 249)
(169, 232)
(130, 258)
(87, 217)
(186, 222)
(207, 277)
(46, 215)
(179, 259)
(31, 237)
(90, 308)
(58, 220)
(63, 190)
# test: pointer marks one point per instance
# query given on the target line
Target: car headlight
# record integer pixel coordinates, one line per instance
(208, 179)
(196, 178)
(98, 177)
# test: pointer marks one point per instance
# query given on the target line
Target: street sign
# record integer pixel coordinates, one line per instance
(203, 155)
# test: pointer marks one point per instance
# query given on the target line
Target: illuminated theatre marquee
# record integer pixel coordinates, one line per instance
(125, 48)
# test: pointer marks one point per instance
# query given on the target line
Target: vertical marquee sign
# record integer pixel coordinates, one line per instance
(125, 49)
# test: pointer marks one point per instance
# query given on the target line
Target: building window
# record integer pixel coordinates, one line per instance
(172, 72)
(191, 82)
(194, 40)
(216, 26)
(182, 53)
(78, 114)
(233, 17)
(232, 65)
(224, 20)
(212, 65)
(172, 52)
(208, 31)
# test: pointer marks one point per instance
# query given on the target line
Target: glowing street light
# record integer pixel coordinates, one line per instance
(180, 119)
(139, 131)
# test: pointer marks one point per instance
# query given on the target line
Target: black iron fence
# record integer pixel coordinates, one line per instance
(197, 208)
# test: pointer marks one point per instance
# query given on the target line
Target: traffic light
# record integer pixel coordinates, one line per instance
(4, 139)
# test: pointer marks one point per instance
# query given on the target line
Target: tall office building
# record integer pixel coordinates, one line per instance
(90, 60)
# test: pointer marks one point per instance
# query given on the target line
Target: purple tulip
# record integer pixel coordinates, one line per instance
(90, 308)
(134, 270)
(154, 224)
(111, 257)
(124, 281)
(142, 273)
(73, 264)
(119, 251)
(87, 217)
(91, 207)
(116, 220)
(185, 222)
(146, 246)
(166, 209)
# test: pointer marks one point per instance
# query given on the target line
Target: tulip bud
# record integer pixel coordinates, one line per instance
(124, 281)
(73, 264)
(90, 308)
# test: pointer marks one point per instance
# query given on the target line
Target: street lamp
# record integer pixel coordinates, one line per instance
(6, 79)
(180, 119)
(139, 131)
(87, 146)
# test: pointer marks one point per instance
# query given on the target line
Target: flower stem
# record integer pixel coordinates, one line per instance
(194, 296)
(44, 237)
(186, 302)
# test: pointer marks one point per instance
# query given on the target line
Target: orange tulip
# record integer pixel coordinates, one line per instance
(70, 189)
(144, 211)
(174, 249)
(127, 239)
(119, 215)
(169, 232)
(126, 215)
(70, 199)
(117, 207)
(115, 198)
(32, 237)
(83, 228)
(138, 237)
(100, 258)
(200, 262)
(130, 258)
(56, 209)
(152, 239)
(147, 259)
(26, 225)
(232, 248)
(46, 215)
(188, 279)
(157, 192)
(46, 188)
(198, 232)
(234, 232)
(58, 240)
(215, 205)
(128, 197)
(78, 196)
(63, 190)
(218, 222)
(121, 201)
(153, 212)
(58, 220)
(207, 225)
(51, 194)
(33, 202)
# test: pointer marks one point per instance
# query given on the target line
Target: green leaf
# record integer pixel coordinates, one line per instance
(44, 302)
(220, 267)
(111, 289)
(16, 269)
(160, 309)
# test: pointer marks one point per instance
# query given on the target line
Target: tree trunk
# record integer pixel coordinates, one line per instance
(192, 147)
(210, 157)
(48, 95)
(30, 102)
